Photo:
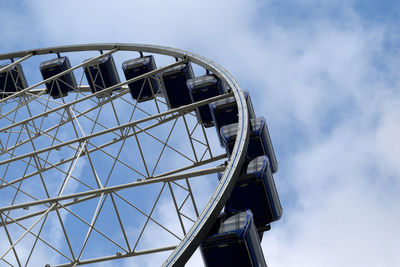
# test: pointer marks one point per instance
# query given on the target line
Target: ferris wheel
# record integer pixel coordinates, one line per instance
(111, 153)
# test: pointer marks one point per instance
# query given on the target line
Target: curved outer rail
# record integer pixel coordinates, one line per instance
(199, 230)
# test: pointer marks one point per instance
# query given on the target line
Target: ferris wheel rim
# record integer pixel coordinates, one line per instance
(210, 212)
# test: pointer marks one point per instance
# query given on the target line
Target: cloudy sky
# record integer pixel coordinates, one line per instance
(325, 74)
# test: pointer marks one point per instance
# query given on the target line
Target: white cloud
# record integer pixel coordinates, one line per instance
(164, 22)
(346, 207)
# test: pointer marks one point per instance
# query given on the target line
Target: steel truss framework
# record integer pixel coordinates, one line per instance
(92, 177)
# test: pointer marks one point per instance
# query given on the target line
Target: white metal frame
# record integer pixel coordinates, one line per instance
(83, 146)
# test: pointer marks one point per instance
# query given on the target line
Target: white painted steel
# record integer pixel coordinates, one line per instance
(182, 251)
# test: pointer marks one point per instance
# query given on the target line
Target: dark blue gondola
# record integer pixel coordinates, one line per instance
(233, 241)
(144, 89)
(175, 88)
(225, 112)
(12, 80)
(62, 85)
(205, 87)
(256, 191)
(102, 74)
(259, 143)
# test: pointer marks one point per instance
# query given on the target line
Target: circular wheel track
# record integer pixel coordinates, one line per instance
(36, 210)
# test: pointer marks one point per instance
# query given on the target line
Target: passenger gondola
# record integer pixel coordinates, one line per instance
(205, 87)
(233, 241)
(101, 74)
(11, 80)
(143, 89)
(175, 87)
(62, 85)
(256, 190)
(225, 112)
(259, 143)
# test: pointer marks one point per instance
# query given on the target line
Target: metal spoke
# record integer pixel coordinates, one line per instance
(9, 240)
(176, 208)
(78, 199)
(29, 230)
(148, 218)
(130, 124)
(115, 188)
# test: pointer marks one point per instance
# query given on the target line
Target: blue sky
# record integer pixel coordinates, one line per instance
(325, 74)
